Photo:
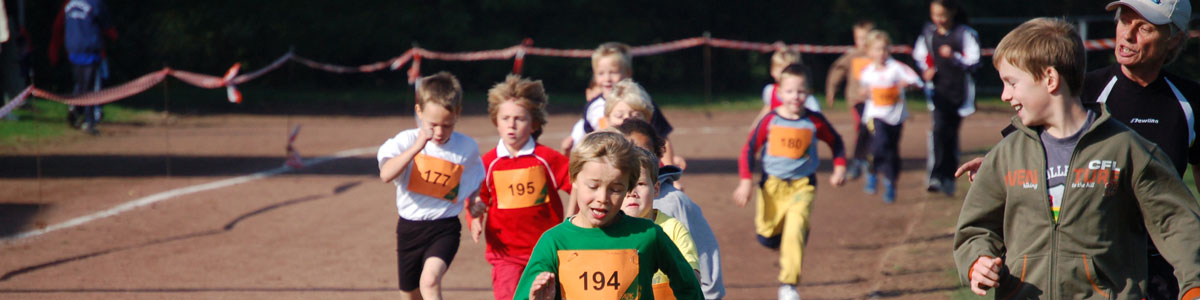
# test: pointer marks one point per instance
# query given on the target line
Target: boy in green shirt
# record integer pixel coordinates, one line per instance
(600, 253)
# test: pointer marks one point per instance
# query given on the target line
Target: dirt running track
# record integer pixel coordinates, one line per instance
(326, 231)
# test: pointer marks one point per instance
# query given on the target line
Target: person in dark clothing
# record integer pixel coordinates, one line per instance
(947, 52)
(85, 24)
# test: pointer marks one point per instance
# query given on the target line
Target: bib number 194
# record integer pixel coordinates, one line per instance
(598, 280)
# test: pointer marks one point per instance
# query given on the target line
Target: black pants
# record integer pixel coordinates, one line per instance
(862, 142)
(85, 81)
(944, 155)
(885, 147)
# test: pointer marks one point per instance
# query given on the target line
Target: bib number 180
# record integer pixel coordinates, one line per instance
(597, 281)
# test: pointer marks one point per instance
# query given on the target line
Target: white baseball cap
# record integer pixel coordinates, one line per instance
(1160, 12)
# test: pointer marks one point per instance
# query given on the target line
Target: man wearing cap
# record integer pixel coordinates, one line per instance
(1160, 106)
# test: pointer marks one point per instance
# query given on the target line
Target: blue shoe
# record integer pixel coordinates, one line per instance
(869, 187)
(889, 193)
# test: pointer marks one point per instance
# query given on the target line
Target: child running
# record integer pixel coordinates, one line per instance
(884, 81)
(784, 138)
(600, 253)
(847, 68)
(673, 202)
(433, 168)
(520, 192)
(1082, 231)
(639, 204)
(611, 63)
(782, 58)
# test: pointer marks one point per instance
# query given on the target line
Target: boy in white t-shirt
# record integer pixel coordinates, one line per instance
(884, 81)
(434, 169)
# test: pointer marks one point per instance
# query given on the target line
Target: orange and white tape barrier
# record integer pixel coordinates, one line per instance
(414, 56)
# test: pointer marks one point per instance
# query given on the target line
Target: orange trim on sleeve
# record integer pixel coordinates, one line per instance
(1192, 294)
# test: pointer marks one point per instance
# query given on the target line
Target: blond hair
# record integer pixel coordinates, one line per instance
(618, 50)
(649, 162)
(632, 94)
(1045, 43)
(528, 94)
(441, 89)
(877, 36)
(609, 148)
(785, 56)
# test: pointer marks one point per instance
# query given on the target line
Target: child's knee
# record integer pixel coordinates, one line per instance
(430, 283)
(770, 242)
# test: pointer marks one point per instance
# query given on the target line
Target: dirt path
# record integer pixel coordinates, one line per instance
(326, 231)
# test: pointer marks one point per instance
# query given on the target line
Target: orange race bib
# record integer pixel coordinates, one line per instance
(885, 96)
(783, 141)
(598, 274)
(435, 177)
(663, 291)
(857, 65)
(521, 188)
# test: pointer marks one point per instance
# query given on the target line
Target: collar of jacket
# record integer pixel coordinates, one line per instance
(1102, 109)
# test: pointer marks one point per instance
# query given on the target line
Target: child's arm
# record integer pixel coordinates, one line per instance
(559, 165)
(837, 74)
(1171, 216)
(909, 77)
(826, 133)
(671, 262)
(753, 146)
(979, 233)
(920, 55)
(392, 167)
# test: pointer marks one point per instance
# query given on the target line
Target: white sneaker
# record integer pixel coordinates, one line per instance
(788, 292)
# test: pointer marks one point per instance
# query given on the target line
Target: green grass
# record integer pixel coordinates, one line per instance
(47, 120)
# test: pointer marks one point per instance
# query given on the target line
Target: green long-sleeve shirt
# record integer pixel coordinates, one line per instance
(599, 261)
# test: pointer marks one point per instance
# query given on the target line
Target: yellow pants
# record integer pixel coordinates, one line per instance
(783, 208)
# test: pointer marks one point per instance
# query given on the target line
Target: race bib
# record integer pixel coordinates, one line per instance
(598, 274)
(783, 141)
(885, 96)
(662, 291)
(521, 188)
(435, 177)
(857, 65)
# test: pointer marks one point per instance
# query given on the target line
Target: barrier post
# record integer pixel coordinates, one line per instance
(707, 68)
(519, 57)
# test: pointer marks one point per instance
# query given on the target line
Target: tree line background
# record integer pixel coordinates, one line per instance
(209, 36)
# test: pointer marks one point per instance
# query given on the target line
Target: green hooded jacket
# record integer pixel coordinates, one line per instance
(1120, 187)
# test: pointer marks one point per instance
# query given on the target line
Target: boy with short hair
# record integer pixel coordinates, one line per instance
(612, 63)
(784, 138)
(433, 168)
(520, 191)
(782, 58)
(601, 253)
(673, 202)
(639, 203)
(1018, 232)
(885, 81)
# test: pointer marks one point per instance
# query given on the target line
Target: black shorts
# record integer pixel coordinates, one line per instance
(417, 241)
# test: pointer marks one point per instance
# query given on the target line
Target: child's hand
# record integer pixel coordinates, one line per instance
(543, 287)
(928, 76)
(743, 192)
(839, 176)
(985, 274)
(566, 145)
(476, 228)
(945, 51)
(423, 135)
(970, 167)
